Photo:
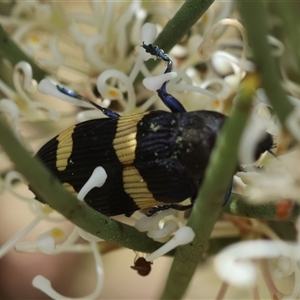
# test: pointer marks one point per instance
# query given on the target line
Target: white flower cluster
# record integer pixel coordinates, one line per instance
(97, 52)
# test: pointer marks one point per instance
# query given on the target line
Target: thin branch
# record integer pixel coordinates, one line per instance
(239, 206)
(186, 17)
(254, 19)
(289, 10)
(208, 204)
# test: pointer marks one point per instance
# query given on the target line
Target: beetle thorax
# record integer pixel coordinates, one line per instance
(196, 139)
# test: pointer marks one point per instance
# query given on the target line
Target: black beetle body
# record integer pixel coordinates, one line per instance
(154, 159)
(150, 159)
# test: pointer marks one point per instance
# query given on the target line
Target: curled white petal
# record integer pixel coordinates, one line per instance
(11, 111)
(149, 32)
(279, 50)
(26, 69)
(92, 46)
(8, 181)
(295, 101)
(135, 33)
(225, 87)
(20, 88)
(44, 211)
(234, 265)
(57, 58)
(27, 247)
(75, 30)
(5, 248)
(56, 233)
(141, 14)
(205, 48)
(146, 223)
(221, 64)
(225, 63)
(138, 63)
(143, 224)
(46, 244)
(262, 96)
(50, 112)
(44, 284)
(284, 267)
(197, 89)
(168, 227)
(183, 235)
(97, 179)
(120, 27)
(69, 242)
(102, 86)
(32, 110)
(155, 82)
(53, 45)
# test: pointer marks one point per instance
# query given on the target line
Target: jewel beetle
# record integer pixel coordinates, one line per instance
(153, 160)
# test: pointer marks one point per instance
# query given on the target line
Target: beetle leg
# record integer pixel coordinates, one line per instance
(153, 210)
(181, 207)
(228, 193)
(159, 53)
(171, 102)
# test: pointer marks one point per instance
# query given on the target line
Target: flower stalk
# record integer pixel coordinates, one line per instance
(288, 11)
(239, 206)
(186, 17)
(208, 204)
(254, 20)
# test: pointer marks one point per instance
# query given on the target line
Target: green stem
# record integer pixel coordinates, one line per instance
(186, 17)
(208, 204)
(255, 21)
(238, 206)
(289, 13)
(50, 189)
(6, 7)
(10, 50)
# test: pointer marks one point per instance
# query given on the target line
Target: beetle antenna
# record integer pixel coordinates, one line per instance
(74, 95)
